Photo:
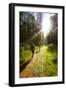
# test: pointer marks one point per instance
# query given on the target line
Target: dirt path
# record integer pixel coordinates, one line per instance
(31, 68)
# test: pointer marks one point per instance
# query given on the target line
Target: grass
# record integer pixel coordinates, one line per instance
(25, 55)
(36, 49)
(50, 60)
(39, 66)
(49, 56)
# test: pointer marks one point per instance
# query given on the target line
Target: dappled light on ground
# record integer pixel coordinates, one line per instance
(35, 67)
(43, 63)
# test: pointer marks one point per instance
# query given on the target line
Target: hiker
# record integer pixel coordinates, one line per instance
(32, 47)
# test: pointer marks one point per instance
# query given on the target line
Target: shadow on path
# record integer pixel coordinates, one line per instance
(22, 67)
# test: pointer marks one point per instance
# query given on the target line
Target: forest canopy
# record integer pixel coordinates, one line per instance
(30, 27)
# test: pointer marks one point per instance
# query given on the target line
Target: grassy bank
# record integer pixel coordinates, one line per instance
(46, 59)
(26, 54)
(50, 60)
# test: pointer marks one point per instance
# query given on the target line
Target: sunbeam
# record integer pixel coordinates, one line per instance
(46, 24)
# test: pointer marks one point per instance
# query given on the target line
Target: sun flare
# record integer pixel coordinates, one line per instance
(46, 24)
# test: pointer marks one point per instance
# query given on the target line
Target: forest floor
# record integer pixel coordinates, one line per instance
(36, 67)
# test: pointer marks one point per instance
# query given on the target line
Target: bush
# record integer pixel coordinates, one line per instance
(51, 47)
(25, 54)
(50, 60)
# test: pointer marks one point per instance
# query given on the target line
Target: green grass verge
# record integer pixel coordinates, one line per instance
(50, 60)
(25, 55)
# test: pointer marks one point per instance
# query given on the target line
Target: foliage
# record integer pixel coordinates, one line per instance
(25, 55)
(36, 49)
(46, 56)
(46, 61)
(30, 27)
(39, 67)
(52, 37)
(50, 60)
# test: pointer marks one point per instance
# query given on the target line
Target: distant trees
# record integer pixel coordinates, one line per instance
(30, 26)
(30, 29)
(52, 37)
(26, 26)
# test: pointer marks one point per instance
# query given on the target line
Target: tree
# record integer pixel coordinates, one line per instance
(30, 26)
(52, 37)
(26, 26)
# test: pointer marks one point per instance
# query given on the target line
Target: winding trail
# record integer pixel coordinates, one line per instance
(31, 69)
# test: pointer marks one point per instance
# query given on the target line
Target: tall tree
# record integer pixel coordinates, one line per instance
(52, 37)
(30, 26)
